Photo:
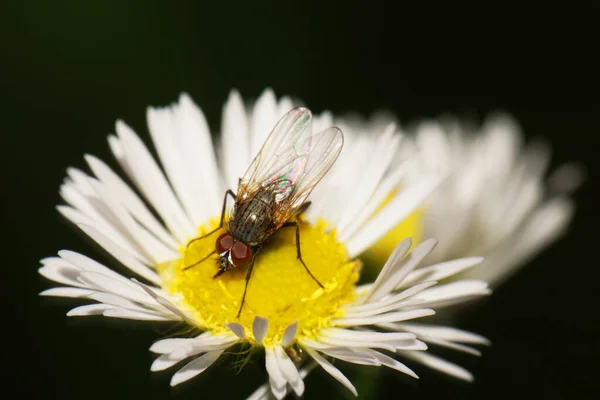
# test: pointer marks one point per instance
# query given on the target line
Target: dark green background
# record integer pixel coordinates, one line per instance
(70, 68)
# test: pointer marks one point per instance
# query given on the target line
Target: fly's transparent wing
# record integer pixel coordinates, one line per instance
(291, 162)
(282, 156)
(325, 147)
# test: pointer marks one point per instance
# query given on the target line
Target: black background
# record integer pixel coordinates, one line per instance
(69, 69)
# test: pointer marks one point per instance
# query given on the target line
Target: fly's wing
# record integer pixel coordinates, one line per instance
(291, 162)
(282, 157)
(325, 147)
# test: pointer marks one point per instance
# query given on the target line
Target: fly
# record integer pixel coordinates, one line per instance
(273, 191)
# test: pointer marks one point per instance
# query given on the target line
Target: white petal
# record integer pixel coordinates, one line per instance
(260, 326)
(150, 247)
(198, 151)
(397, 210)
(264, 118)
(289, 334)
(130, 199)
(402, 269)
(354, 356)
(168, 345)
(366, 335)
(276, 377)
(443, 332)
(451, 293)
(130, 314)
(389, 317)
(440, 271)
(263, 393)
(333, 371)
(235, 138)
(153, 183)
(107, 284)
(167, 305)
(195, 367)
(90, 309)
(289, 371)
(438, 364)
(120, 254)
(389, 303)
(388, 268)
(164, 361)
(61, 273)
(67, 292)
(393, 364)
(237, 329)
(87, 264)
(108, 298)
(385, 148)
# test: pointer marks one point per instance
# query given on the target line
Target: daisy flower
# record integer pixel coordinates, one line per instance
(494, 201)
(147, 228)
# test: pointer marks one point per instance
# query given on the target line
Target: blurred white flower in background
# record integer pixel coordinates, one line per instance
(496, 200)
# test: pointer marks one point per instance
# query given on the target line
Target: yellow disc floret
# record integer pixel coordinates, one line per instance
(280, 289)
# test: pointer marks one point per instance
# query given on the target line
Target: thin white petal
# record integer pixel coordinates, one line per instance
(393, 364)
(451, 293)
(195, 367)
(333, 371)
(440, 271)
(162, 301)
(289, 334)
(235, 138)
(237, 329)
(260, 326)
(67, 292)
(130, 199)
(388, 268)
(130, 314)
(389, 317)
(438, 364)
(153, 183)
(276, 377)
(168, 345)
(402, 269)
(354, 356)
(90, 309)
(397, 210)
(289, 371)
(120, 254)
(443, 332)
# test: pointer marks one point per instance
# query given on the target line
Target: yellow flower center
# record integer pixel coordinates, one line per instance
(280, 289)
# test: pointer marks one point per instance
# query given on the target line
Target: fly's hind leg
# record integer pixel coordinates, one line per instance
(298, 251)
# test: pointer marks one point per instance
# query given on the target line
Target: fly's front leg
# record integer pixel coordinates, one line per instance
(199, 262)
(228, 192)
(298, 252)
(248, 275)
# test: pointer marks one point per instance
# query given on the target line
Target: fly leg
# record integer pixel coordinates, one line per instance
(299, 253)
(199, 262)
(230, 193)
(248, 274)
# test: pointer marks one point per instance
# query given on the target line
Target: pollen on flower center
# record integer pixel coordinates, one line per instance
(280, 289)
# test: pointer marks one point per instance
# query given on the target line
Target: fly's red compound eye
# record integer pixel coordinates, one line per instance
(224, 243)
(240, 253)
